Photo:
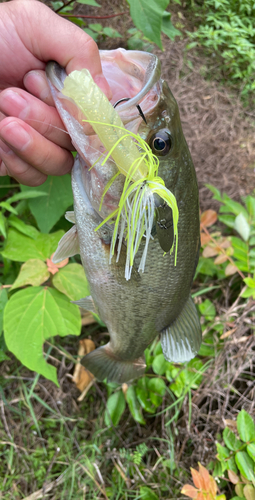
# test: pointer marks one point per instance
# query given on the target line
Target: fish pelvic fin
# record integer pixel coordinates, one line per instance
(182, 339)
(70, 217)
(86, 303)
(68, 246)
(105, 365)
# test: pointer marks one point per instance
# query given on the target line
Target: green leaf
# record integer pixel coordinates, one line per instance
(232, 442)
(207, 309)
(143, 395)
(3, 302)
(245, 426)
(2, 224)
(242, 227)
(33, 272)
(48, 209)
(91, 33)
(112, 33)
(147, 494)
(251, 451)
(133, 404)
(32, 316)
(168, 27)
(228, 220)
(8, 207)
(147, 17)
(31, 193)
(22, 227)
(97, 27)
(245, 465)
(223, 452)
(89, 2)
(115, 407)
(21, 248)
(71, 281)
(159, 364)
(157, 385)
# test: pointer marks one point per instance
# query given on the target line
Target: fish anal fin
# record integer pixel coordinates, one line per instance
(68, 246)
(70, 217)
(182, 339)
(86, 303)
(105, 365)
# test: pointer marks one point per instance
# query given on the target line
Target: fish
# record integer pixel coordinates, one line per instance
(157, 301)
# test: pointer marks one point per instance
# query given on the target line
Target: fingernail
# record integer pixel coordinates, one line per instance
(13, 104)
(36, 79)
(15, 135)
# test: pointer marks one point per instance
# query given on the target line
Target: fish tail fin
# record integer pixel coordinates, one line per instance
(181, 340)
(105, 365)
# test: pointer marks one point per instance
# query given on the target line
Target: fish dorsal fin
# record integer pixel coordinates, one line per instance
(86, 303)
(181, 340)
(70, 217)
(68, 246)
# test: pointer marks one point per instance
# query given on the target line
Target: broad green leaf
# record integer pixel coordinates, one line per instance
(47, 210)
(234, 207)
(143, 395)
(249, 492)
(223, 452)
(242, 227)
(245, 465)
(71, 281)
(3, 302)
(31, 193)
(168, 27)
(147, 17)
(115, 407)
(231, 441)
(97, 27)
(157, 385)
(32, 316)
(23, 228)
(147, 494)
(159, 364)
(245, 426)
(133, 404)
(207, 309)
(112, 33)
(228, 220)
(250, 204)
(251, 451)
(33, 272)
(21, 248)
(231, 465)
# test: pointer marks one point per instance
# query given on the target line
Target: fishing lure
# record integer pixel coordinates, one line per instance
(133, 219)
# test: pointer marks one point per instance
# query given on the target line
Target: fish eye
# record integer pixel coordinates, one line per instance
(161, 142)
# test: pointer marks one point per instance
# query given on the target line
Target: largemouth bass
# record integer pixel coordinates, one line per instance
(156, 301)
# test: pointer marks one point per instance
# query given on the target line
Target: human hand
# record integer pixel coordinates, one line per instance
(33, 140)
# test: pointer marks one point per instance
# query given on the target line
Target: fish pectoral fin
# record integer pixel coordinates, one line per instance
(105, 365)
(182, 339)
(70, 217)
(68, 246)
(86, 303)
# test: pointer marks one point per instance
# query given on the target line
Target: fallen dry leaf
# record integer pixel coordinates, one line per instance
(82, 377)
(233, 477)
(228, 333)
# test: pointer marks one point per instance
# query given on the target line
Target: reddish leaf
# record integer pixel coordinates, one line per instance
(208, 218)
(205, 238)
(53, 268)
(197, 479)
(221, 258)
(210, 251)
(189, 491)
(233, 477)
(205, 477)
(230, 269)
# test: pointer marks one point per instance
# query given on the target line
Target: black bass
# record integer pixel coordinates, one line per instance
(157, 300)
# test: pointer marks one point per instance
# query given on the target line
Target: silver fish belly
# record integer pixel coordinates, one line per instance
(157, 301)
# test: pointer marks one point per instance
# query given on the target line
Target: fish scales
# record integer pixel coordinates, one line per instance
(157, 301)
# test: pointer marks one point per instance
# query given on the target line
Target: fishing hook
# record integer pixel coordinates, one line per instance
(138, 107)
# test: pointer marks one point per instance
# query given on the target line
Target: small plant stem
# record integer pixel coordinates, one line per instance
(221, 250)
(93, 17)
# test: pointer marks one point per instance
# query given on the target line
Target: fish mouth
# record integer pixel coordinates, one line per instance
(131, 76)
